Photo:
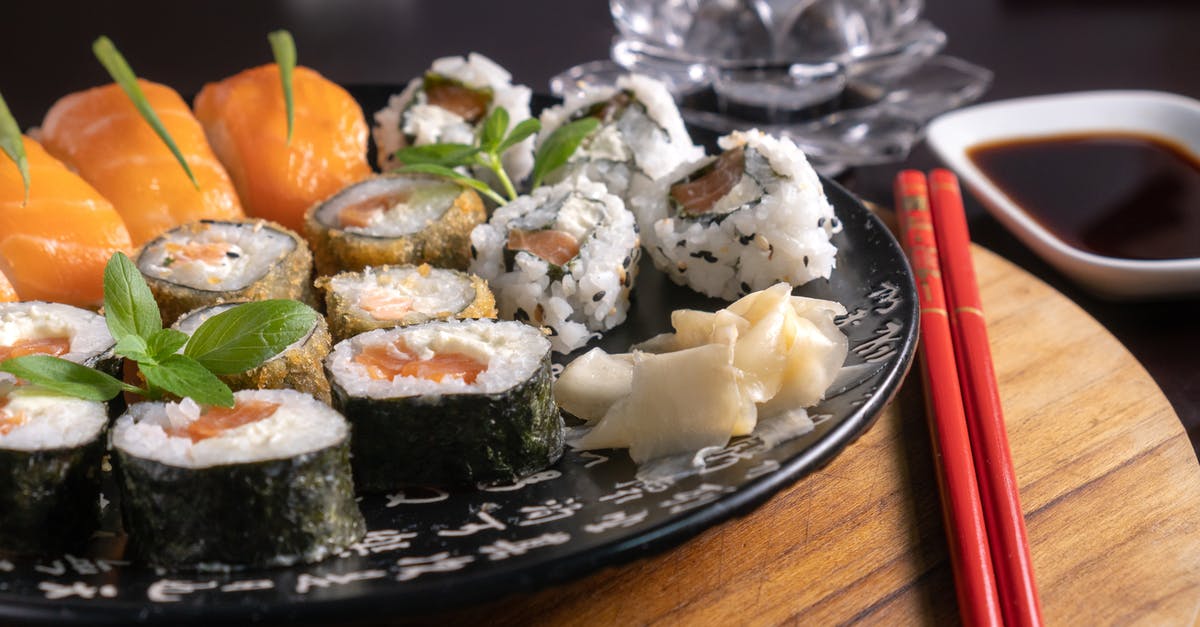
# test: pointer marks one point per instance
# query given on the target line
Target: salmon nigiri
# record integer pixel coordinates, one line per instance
(246, 121)
(100, 134)
(54, 247)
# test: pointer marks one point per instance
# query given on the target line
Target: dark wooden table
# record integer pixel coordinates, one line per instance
(1033, 46)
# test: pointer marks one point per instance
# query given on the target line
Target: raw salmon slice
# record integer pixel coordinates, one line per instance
(246, 121)
(556, 247)
(100, 134)
(216, 420)
(698, 196)
(466, 103)
(384, 304)
(56, 346)
(7, 293)
(383, 363)
(55, 246)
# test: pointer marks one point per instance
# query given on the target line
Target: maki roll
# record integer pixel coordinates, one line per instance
(564, 257)
(265, 483)
(210, 262)
(641, 137)
(297, 367)
(754, 216)
(447, 403)
(78, 335)
(396, 296)
(394, 219)
(50, 450)
(446, 106)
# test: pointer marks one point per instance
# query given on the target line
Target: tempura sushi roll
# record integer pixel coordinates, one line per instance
(298, 367)
(210, 262)
(266, 483)
(564, 257)
(446, 106)
(78, 335)
(50, 450)
(396, 296)
(447, 403)
(741, 222)
(641, 137)
(394, 219)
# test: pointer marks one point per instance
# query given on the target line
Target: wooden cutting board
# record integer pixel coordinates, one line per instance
(1109, 483)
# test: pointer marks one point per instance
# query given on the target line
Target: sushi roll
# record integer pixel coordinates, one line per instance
(446, 106)
(396, 296)
(298, 367)
(78, 335)
(641, 137)
(564, 257)
(265, 483)
(50, 450)
(447, 403)
(754, 216)
(394, 219)
(210, 262)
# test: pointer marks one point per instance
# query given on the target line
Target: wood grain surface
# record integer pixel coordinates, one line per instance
(1108, 480)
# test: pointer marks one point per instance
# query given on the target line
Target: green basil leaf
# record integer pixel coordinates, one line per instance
(284, 49)
(245, 336)
(560, 145)
(129, 307)
(519, 133)
(465, 181)
(65, 377)
(123, 75)
(185, 377)
(492, 131)
(448, 155)
(134, 347)
(13, 145)
(166, 342)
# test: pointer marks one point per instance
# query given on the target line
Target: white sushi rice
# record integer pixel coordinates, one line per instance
(755, 237)
(644, 143)
(433, 292)
(300, 425)
(593, 293)
(424, 201)
(512, 351)
(429, 124)
(253, 248)
(48, 421)
(87, 331)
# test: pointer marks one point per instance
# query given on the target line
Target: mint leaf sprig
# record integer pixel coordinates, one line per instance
(233, 341)
(491, 142)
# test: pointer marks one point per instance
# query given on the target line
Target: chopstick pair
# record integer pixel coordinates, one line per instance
(984, 522)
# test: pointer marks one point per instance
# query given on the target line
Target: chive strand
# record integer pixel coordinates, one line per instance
(13, 145)
(284, 49)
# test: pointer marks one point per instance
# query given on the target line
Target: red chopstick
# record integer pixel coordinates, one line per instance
(966, 530)
(985, 419)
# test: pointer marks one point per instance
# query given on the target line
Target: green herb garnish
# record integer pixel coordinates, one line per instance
(123, 75)
(490, 143)
(284, 49)
(13, 146)
(230, 342)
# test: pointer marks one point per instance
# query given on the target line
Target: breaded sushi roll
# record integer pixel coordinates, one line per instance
(564, 258)
(754, 216)
(50, 450)
(394, 219)
(264, 483)
(210, 262)
(297, 367)
(641, 137)
(447, 403)
(394, 296)
(446, 106)
(78, 335)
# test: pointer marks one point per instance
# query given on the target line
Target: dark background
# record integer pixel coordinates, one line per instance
(1034, 47)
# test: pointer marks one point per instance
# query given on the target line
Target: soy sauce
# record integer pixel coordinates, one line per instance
(1112, 194)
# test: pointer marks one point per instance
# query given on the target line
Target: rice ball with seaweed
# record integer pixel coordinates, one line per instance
(742, 221)
(446, 106)
(564, 258)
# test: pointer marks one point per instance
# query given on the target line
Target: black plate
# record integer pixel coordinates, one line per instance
(428, 550)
